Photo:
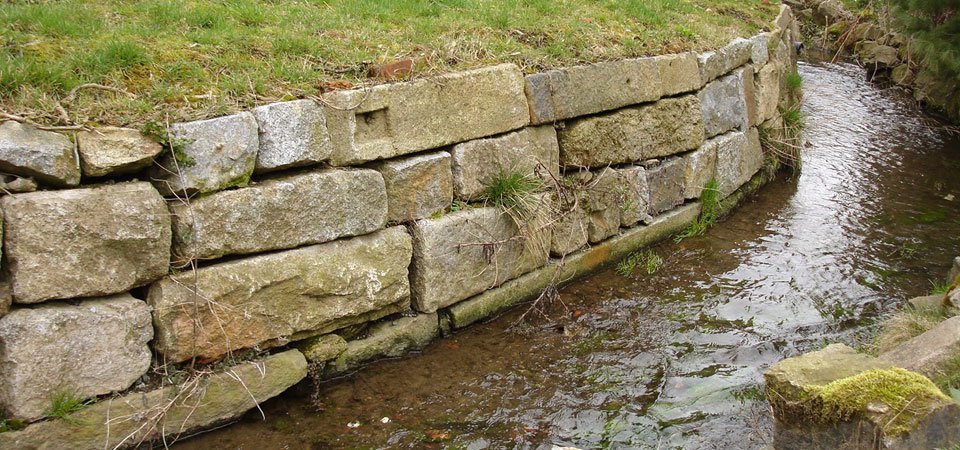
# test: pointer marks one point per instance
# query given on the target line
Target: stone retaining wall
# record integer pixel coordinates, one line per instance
(344, 230)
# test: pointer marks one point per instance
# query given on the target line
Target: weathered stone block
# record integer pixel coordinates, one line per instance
(829, 399)
(951, 275)
(760, 53)
(750, 95)
(93, 348)
(700, 167)
(716, 64)
(679, 73)
(397, 119)
(929, 352)
(215, 154)
(280, 213)
(387, 339)
(602, 195)
(669, 126)
(581, 90)
(569, 232)
(576, 265)
(739, 156)
(724, 105)
(417, 186)
(44, 155)
(16, 184)
(85, 242)
(879, 56)
(666, 181)
(768, 91)
(271, 299)
(636, 196)
(322, 348)
(469, 251)
(476, 162)
(115, 151)
(187, 408)
(292, 134)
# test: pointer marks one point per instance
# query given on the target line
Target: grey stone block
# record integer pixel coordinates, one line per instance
(669, 126)
(724, 106)
(666, 181)
(476, 162)
(275, 298)
(44, 155)
(417, 186)
(115, 151)
(581, 90)
(291, 134)
(96, 347)
(718, 63)
(466, 252)
(397, 119)
(85, 242)
(214, 154)
(280, 213)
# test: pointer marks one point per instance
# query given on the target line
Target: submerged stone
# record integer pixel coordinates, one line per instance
(390, 338)
(170, 413)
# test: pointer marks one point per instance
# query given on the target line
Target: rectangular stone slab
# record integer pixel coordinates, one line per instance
(724, 104)
(397, 119)
(269, 299)
(576, 91)
(669, 126)
(172, 411)
(292, 134)
(93, 348)
(467, 252)
(417, 186)
(280, 213)
(528, 151)
(29, 152)
(739, 156)
(85, 242)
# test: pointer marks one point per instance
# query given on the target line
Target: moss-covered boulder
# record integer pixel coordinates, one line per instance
(838, 398)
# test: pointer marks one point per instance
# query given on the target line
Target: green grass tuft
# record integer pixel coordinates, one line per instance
(710, 207)
(63, 404)
(648, 260)
(939, 287)
(511, 191)
(794, 81)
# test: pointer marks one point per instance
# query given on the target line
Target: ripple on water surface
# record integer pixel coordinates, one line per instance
(675, 359)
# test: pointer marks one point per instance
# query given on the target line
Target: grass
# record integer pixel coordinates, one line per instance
(10, 424)
(939, 287)
(193, 59)
(647, 260)
(905, 325)
(65, 403)
(512, 191)
(794, 81)
(710, 206)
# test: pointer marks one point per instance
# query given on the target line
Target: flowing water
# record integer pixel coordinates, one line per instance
(675, 359)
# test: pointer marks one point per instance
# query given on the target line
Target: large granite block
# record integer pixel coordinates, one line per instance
(476, 162)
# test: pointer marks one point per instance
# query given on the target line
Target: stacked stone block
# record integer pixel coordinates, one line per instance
(354, 228)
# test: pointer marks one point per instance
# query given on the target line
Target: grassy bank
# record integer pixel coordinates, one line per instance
(188, 59)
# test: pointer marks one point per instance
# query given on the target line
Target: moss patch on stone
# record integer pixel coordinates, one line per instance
(898, 397)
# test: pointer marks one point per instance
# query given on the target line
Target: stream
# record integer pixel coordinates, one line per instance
(675, 359)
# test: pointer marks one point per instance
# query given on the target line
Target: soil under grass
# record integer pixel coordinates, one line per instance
(188, 59)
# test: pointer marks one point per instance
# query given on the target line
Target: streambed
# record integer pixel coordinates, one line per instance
(675, 359)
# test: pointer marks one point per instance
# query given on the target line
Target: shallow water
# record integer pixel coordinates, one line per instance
(675, 359)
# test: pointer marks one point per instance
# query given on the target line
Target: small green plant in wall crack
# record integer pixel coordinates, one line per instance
(512, 190)
(710, 209)
(64, 403)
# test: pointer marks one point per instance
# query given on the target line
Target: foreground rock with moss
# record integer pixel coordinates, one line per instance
(838, 398)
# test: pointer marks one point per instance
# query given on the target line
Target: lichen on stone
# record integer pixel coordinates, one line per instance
(897, 396)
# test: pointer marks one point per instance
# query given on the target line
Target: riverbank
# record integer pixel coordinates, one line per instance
(880, 44)
(179, 60)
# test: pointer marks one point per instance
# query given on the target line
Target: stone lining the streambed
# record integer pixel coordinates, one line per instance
(340, 230)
